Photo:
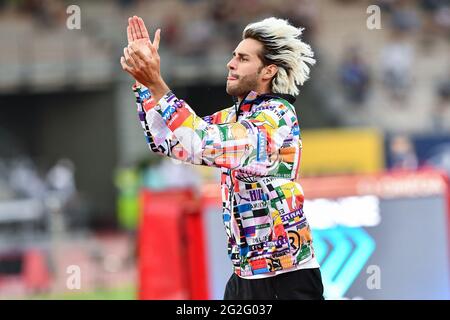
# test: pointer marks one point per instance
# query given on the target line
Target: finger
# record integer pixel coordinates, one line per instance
(136, 27)
(133, 31)
(129, 35)
(129, 58)
(143, 29)
(157, 39)
(125, 66)
(153, 50)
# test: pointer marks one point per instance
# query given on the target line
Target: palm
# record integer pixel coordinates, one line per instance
(139, 40)
(138, 34)
(142, 41)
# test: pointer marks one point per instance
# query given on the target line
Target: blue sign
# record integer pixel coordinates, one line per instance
(342, 252)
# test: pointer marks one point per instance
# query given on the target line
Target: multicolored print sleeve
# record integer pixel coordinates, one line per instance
(158, 136)
(251, 145)
(162, 141)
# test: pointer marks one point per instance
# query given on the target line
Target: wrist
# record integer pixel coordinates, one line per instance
(158, 89)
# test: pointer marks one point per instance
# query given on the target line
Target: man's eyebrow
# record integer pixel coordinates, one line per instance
(240, 54)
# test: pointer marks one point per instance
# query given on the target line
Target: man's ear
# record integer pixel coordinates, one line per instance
(269, 71)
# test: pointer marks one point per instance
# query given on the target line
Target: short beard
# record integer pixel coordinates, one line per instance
(245, 84)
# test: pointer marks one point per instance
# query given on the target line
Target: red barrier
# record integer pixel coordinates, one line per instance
(171, 247)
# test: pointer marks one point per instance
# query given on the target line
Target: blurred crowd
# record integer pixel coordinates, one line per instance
(196, 29)
(199, 29)
(416, 29)
(47, 13)
(23, 183)
(406, 18)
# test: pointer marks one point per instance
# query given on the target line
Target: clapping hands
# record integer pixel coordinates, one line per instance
(141, 58)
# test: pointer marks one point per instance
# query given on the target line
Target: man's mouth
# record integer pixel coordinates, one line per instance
(229, 78)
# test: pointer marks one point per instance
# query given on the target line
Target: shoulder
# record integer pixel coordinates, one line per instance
(277, 106)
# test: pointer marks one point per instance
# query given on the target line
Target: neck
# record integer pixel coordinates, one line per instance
(259, 92)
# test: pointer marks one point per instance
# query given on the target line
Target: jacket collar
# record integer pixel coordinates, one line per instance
(289, 98)
(253, 97)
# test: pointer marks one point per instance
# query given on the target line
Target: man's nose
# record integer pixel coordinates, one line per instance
(231, 65)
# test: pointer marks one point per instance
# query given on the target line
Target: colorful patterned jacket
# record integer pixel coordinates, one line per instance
(259, 156)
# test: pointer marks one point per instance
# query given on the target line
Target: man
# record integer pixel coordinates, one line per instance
(256, 144)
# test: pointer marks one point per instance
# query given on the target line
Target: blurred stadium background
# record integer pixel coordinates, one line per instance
(78, 186)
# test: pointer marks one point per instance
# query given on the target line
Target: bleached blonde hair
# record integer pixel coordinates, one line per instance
(282, 46)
